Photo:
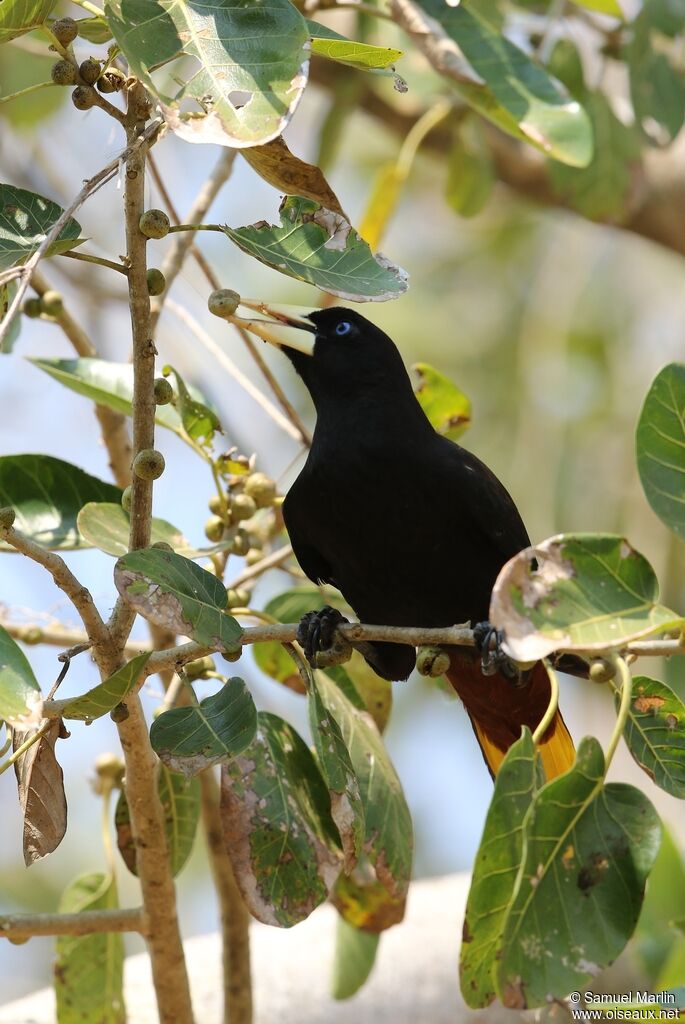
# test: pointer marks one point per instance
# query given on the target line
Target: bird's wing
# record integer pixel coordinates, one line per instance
(311, 561)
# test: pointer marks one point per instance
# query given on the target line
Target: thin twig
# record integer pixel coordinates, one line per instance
(86, 922)
(270, 561)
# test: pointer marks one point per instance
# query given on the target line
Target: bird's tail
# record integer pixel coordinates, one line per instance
(498, 709)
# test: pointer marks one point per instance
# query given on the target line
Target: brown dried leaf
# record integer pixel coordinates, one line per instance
(276, 164)
(41, 791)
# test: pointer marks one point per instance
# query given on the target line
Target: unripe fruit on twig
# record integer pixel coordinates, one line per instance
(7, 517)
(223, 303)
(52, 303)
(109, 770)
(33, 635)
(261, 488)
(154, 224)
(601, 671)
(32, 308)
(63, 72)
(161, 545)
(254, 555)
(216, 505)
(111, 80)
(163, 391)
(126, 498)
(148, 464)
(214, 529)
(243, 507)
(65, 30)
(197, 669)
(89, 70)
(119, 713)
(240, 545)
(233, 655)
(84, 97)
(432, 661)
(156, 281)
(238, 598)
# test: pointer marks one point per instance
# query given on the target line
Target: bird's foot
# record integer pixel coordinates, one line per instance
(488, 641)
(318, 636)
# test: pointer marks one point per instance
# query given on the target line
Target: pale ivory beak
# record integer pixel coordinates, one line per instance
(288, 326)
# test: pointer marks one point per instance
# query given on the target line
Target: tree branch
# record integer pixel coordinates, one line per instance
(86, 922)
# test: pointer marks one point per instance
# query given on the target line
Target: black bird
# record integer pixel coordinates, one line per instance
(410, 527)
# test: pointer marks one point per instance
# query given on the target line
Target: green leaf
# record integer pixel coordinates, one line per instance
(199, 421)
(655, 734)
(47, 495)
(364, 903)
(470, 177)
(180, 800)
(448, 408)
(603, 6)
(249, 70)
(667, 16)
(106, 526)
(277, 826)
(518, 95)
(89, 969)
(388, 837)
(102, 698)
(173, 592)
(320, 247)
(583, 591)
(19, 689)
(495, 871)
(364, 56)
(25, 219)
(656, 87)
(657, 934)
(190, 739)
(109, 384)
(26, 112)
(95, 30)
(7, 293)
(600, 191)
(20, 16)
(355, 955)
(588, 850)
(660, 446)
(339, 775)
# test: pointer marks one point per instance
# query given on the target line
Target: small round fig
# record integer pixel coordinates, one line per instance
(243, 507)
(126, 495)
(148, 464)
(239, 598)
(240, 545)
(111, 80)
(51, 303)
(83, 97)
(156, 281)
(261, 488)
(65, 30)
(7, 517)
(32, 308)
(432, 661)
(119, 713)
(89, 70)
(161, 545)
(33, 635)
(197, 669)
(233, 655)
(216, 505)
(63, 72)
(214, 529)
(109, 773)
(154, 224)
(601, 671)
(223, 303)
(163, 391)
(254, 555)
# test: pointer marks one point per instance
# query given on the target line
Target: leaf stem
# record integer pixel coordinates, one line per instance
(88, 258)
(26, 745)
(548, 717)
(624, 707)
(196, 227)
(26, 91)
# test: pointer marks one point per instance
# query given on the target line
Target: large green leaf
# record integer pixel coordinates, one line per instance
(47, 495)
(655, 733)
(19, 16)
(89, 969)
(588, 850)
(173, 592)
(355, 955)
(277, 826)
(495, 871)
(448, 408)
(102, 698)
(19, 689)
(109, 384)
(180, 800)
(583, 591)
(517, 94)
(320, 247)
(249, 70)
(660, 446)
(190, 739)
(25, 219)
(657, 935)
(603, 6)
(364, 56)
(106, 526)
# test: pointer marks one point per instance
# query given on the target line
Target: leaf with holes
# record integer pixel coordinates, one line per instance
(19, 689)
(20, 16)
(89, 969)
(47, 495)
(355, 955)
(508, 88)
(180, 800)
(655, 733)
(173, 592)
(102, 698)
(249, 68)
(588, 849)
(190, 739)
(25, 220)
(584, 591)
(277, 826)
(363, 56)
(276, 164)
(448, 408)
(660, 446)
(495, 869)
(320, 247)
(40, 783)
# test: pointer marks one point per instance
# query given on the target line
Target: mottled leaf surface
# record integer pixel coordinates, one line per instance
(19, 688)
(448, 408)
(25, 220)
(41, 792)
(180, 800)
(20, 16)
(106, 695)
(655, 733)
(660, 446)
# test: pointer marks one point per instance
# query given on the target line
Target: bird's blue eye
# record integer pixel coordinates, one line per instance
(344, 327)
